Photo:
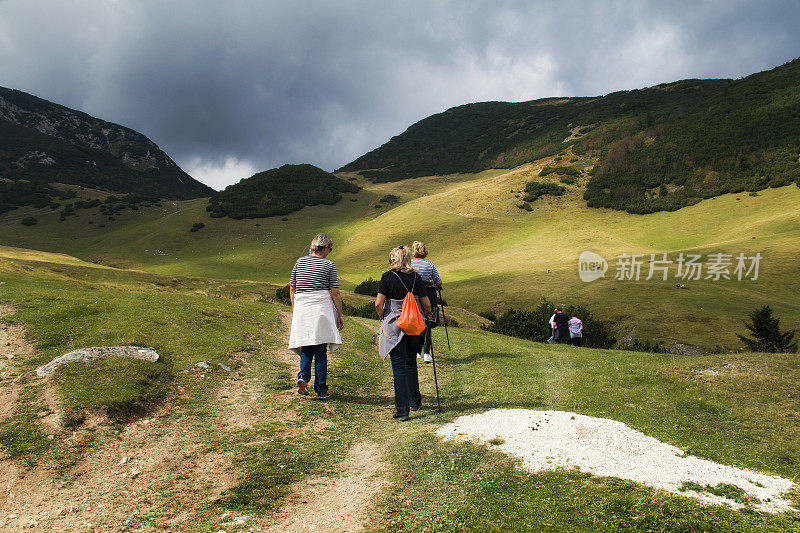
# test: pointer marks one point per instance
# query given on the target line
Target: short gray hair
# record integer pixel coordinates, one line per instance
(319, 242)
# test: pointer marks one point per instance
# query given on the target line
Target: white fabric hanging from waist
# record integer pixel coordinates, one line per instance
(314, 321)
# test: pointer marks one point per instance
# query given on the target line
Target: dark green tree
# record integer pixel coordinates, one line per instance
(766, 333)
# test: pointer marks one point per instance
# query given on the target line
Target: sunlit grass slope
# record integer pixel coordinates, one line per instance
(739, 409)
(492, 253)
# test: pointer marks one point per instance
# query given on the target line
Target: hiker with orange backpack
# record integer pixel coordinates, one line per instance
(400, 294)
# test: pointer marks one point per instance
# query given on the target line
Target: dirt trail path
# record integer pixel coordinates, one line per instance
(12, 346)
(336, 504)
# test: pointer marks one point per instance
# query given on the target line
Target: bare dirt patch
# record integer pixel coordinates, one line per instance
(153, 474)
(341, 503)
(13, 344)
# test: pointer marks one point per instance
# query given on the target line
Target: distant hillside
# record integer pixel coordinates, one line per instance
(660, 148)
(44, 142)
(279, 191)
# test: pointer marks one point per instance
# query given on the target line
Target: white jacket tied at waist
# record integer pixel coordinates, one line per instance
(314, 321)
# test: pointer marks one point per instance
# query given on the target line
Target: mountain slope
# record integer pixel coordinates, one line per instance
(45, 142)
(697, 138)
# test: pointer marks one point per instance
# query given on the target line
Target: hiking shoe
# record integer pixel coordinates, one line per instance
(322, 397)
(416, 407)
(401, 418)
(427, 358)
(302, 387)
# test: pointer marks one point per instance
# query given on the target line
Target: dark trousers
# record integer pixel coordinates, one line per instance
(404, 374)
(428, 340)
(577, 341)
(319, 355)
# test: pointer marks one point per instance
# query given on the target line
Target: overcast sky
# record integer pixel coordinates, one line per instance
(230, 88)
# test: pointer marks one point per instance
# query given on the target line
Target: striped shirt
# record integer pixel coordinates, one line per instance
(312, 273)
(426, 270)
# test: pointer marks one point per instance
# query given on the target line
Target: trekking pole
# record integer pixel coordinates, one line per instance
(444, 319)
(435, 379)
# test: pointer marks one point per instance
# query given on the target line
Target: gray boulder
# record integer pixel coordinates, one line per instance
(87, 355)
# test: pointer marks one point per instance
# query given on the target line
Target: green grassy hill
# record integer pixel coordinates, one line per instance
(491, 253)
(279, 191)
(170, 445)
(659, 148)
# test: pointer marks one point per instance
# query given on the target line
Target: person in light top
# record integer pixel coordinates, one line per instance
(576, 331)
(316, 314)
(433, 282)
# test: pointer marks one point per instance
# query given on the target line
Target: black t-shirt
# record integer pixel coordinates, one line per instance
(561, 320)
(392, 288)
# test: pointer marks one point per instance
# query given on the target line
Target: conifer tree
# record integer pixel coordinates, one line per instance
(766, 333)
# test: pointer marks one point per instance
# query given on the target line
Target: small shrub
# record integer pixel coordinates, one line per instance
(488, 315)
(567, 180)
(29, 221)
(364, 311)
(537, 189)
(282, 295)
(567, 171)
(284, 219)
(390, 199)
(368, 287)
(197, 226)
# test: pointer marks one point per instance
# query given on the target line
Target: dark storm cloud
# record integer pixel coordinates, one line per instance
(228, 88)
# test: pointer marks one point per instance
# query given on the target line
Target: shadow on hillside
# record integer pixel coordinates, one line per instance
(381, 400)
(483, 356)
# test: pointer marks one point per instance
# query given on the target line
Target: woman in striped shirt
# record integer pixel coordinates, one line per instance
(427, 271)
(316, 314)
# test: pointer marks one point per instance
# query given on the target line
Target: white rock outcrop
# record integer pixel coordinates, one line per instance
(87, 355)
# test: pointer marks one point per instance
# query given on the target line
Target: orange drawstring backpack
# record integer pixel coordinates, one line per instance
(410, 320)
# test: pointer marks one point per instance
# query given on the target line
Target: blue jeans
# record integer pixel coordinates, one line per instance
(319, 354)
(404, 374)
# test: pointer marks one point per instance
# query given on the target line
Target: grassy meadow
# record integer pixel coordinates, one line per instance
(747, 415)
(491, 253)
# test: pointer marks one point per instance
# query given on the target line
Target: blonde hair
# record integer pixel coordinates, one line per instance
(319, 242)
(419, 250)
(400, 259)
